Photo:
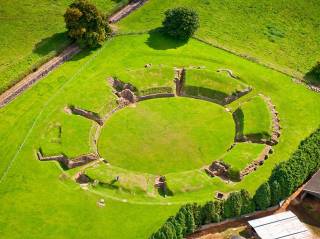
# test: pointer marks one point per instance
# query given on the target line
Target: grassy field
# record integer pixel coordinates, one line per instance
(31, 32)
(41, 200)
(167, 135)
(256, 118)
(242, 155)
(282, 34)
(211, 84)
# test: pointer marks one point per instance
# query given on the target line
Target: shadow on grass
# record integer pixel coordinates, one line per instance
(313, 76)
(58, 42)
(215, 95)
(158, 40)
(50, 44)
(238, 118)
(164, 192)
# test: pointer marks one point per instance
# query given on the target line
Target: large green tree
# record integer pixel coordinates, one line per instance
(86, 25)
(181, 23)
(262, 198)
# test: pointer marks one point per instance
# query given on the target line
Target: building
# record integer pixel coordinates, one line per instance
(312, 187)
(284, 225)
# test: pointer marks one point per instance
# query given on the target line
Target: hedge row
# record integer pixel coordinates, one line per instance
(289, 175)
(284, 180)
(192, 216)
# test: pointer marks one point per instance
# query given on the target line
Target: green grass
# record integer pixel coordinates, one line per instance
(242, 155)
(211, 84)
(256, 118)
(282, 34)
(40, 203)
(167, 135)
(156, 79)
(31, 32)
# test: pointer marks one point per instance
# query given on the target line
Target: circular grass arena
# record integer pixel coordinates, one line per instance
(167, 135)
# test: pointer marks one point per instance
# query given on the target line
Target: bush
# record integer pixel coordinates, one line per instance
(180, 23)
(276, 193)
(247, 202)
(289, 175)
(262, 198)
(313, 75)
(85, 24)
(212, 212)
(232, 205)
(234, 174)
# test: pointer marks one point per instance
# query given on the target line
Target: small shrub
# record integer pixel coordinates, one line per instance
(85, 24)
(313, 76)
(234, 174)
(181, 23)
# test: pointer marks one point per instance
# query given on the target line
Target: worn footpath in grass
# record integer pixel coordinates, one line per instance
(31, 32)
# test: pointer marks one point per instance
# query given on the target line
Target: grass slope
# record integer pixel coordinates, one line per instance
(31, 32)
(256, 118)
(41, 202)
(242, 155)
(283, 34)
(211, 84)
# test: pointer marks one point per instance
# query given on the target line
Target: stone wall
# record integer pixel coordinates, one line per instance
(179, 80)
(69, 163)
(154, 96)
(87, 114)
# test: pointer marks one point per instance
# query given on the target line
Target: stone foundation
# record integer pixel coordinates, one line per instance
(69, 163)
(230, 73)
(237, 95)
(275, 121)
(87, 114)
(179, 80)
(217, 168)
(258, 162)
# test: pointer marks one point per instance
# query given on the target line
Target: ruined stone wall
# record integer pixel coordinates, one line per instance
(87, 114)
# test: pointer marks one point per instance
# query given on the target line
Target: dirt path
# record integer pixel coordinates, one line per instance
(12, 93)
(125, 11)
(32, 78)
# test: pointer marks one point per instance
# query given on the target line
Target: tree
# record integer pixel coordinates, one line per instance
(212, 212)
(169, 230)
(262, 198)
(181, 219)
(85, 24)
(275, 190)
(180, 23)
(190, 224)
(232, 205)
(196, 211)
(177, 227)
(247, 202)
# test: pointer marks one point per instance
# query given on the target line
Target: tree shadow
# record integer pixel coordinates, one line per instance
(158, 40)
(238, 118)
(198, 91)
(313, 75)
(55, 42)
